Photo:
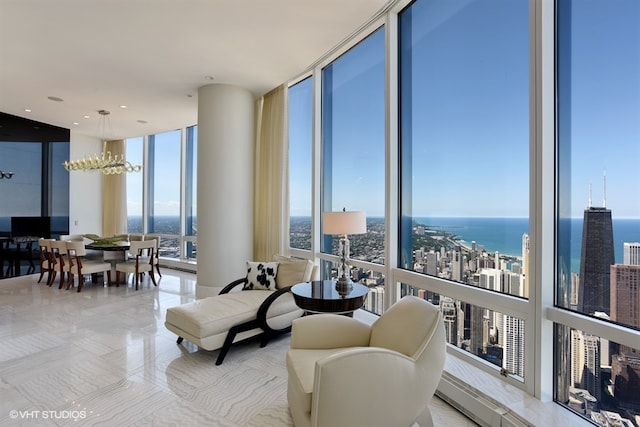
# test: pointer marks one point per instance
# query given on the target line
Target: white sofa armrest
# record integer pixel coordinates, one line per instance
(324, 331)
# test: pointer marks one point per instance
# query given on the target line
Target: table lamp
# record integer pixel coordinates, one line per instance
(342, 224)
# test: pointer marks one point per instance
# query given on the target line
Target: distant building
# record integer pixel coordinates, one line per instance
(514, 350)
(631, 253)
(431, 267)
(582, 401)
(457, 265)
(525, 265)
(585, 363)
(596, 258)
(611, 419)
(625, 376)
(625, 294)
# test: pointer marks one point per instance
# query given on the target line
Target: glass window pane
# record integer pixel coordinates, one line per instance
(598, 154)
(598, 224)
(464, 137)
(134, 154)
(21, 194)
(191, 187)
(487, 334)
(59, 188)
(164, 215)
(353, 142)
(597, 378)
(300, 162)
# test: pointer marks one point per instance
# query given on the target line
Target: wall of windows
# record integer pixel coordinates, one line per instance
(161, 200)
(492, 192)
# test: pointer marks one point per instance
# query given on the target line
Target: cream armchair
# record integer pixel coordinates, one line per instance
(343, 372)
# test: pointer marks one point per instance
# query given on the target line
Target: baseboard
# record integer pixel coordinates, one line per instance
(475, 406)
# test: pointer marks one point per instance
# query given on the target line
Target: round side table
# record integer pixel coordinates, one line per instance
(321, 296)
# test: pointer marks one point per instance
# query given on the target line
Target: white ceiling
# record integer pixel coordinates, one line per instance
(153, 55)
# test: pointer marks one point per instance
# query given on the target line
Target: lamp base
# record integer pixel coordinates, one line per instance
(344, 285)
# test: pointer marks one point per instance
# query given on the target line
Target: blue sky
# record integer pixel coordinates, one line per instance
(470, 112)
(469, 122)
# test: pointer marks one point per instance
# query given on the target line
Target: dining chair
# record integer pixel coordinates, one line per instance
(9, 254)
(46, 263)
(59, 260)
(156, 256)
(80, 266)
(143, 252)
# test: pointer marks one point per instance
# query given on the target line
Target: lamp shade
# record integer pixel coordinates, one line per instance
(353, 222)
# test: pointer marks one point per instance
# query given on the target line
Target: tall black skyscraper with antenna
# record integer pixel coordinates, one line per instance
(596, 259)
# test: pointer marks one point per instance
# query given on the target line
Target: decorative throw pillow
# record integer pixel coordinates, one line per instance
(292, 271)
(261, 275)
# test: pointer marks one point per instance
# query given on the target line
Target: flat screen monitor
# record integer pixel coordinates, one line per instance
(37, 226)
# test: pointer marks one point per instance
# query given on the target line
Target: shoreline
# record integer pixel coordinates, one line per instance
(467, 246)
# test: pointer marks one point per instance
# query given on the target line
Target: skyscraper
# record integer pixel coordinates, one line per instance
(625, 298)
(585, 365)
(631, 253)
(595, 261)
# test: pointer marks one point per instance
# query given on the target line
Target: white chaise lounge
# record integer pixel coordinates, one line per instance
(234, 315)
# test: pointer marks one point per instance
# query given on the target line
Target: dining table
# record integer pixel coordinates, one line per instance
(112, 252)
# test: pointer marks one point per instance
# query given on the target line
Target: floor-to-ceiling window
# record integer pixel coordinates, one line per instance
(164, 190)
(300, 161)
(464, 143)
(135, 155)
(353, 151)
(598, 202)
(191, 189)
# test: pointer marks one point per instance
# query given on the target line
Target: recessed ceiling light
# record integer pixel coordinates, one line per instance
(209, 78)
(28, 110)
(76, 123)
(123, 106)
(142, 121)
(86, 117)
(55, 98)
(189, 95)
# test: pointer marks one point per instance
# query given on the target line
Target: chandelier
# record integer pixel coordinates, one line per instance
(105, 162)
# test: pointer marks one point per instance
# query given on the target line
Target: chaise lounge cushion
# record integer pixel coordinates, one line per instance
(215, 315)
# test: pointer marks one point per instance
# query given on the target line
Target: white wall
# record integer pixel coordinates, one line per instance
(85, 188)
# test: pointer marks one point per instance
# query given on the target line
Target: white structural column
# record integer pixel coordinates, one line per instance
(225, 185)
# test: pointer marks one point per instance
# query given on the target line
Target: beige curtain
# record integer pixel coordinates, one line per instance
(114, 195)
(271, 177)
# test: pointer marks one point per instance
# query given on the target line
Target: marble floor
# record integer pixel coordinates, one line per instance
(104, 357)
